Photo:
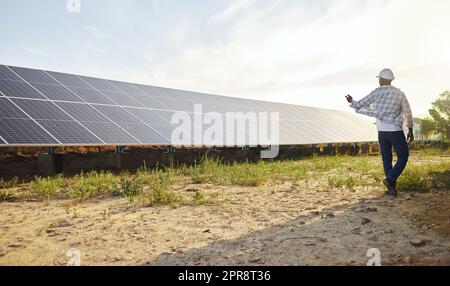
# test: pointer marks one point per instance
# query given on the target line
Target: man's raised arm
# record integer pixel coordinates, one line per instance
(363, 103)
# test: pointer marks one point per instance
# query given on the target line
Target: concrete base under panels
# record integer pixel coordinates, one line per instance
(50, 164)
(72, 163)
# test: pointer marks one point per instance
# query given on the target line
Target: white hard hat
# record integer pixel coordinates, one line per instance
(386, 74)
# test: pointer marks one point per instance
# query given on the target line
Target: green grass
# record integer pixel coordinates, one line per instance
(93, 185)
(130, 187)
(425, 178)
(338, 181)
(251, 175)
(160, 193)
(8, 196)
(47, 188)
(158, 183)
(213, 171)
(200, 199)
(13, 183)
(154, 187)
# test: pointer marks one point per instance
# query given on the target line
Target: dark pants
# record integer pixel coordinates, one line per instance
(398, 141)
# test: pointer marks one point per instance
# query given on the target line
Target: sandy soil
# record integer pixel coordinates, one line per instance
(288, 224)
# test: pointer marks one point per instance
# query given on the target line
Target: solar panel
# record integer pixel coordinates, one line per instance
(147, 116)
(99, 84)
(6, 73)
(70, 132)
(111, 134)
(33, 76)
(117, 114)
(41, 109)
(133, 125)
(57, 92)
(68, 80)
(121, 98)
(83, 112)
(127, 88)
(9, 110)
(49, 108)
(24, 132)
(91, 95)
(150, 101)
(22, 89)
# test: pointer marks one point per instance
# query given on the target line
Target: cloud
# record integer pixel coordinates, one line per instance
(300, 52)
(33, 50)
(283, 48)
(233, 9)
(97, 33)
(94, 49)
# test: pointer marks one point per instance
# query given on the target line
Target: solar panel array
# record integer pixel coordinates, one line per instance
(43, 108)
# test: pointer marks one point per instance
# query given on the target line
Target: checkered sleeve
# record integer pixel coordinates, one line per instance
(406, 108)
(366, 101)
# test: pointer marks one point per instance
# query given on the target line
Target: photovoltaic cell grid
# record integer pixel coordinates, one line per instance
(49, 108)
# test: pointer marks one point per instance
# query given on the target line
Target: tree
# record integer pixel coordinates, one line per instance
(440, 113)
(428, 126)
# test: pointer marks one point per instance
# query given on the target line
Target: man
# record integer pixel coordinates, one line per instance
(389, 106)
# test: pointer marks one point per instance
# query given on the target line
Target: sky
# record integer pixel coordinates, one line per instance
(295, 51)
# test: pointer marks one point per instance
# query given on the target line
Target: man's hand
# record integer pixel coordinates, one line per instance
(349, 98)
(410, 135)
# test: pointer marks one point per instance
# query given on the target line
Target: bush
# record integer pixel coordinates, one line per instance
(414, 180)
(8, 196)
(9, 184)
(93, 185)
(130, 188)
(215, 172)
(199, 199)
(158, 182)
(441, 180)
(160, 194)
(338, 181)
(210, 170)
(251, 175)
(47, 188)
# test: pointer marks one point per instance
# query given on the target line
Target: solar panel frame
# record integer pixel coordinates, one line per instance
(141, 114)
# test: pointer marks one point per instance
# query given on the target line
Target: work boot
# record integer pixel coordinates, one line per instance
(391, 188)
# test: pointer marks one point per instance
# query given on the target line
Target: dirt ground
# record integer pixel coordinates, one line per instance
(294, 223)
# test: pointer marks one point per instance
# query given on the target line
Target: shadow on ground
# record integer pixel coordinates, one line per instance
(337, 236)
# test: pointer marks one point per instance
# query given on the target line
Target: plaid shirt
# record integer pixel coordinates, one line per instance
(388, 104)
